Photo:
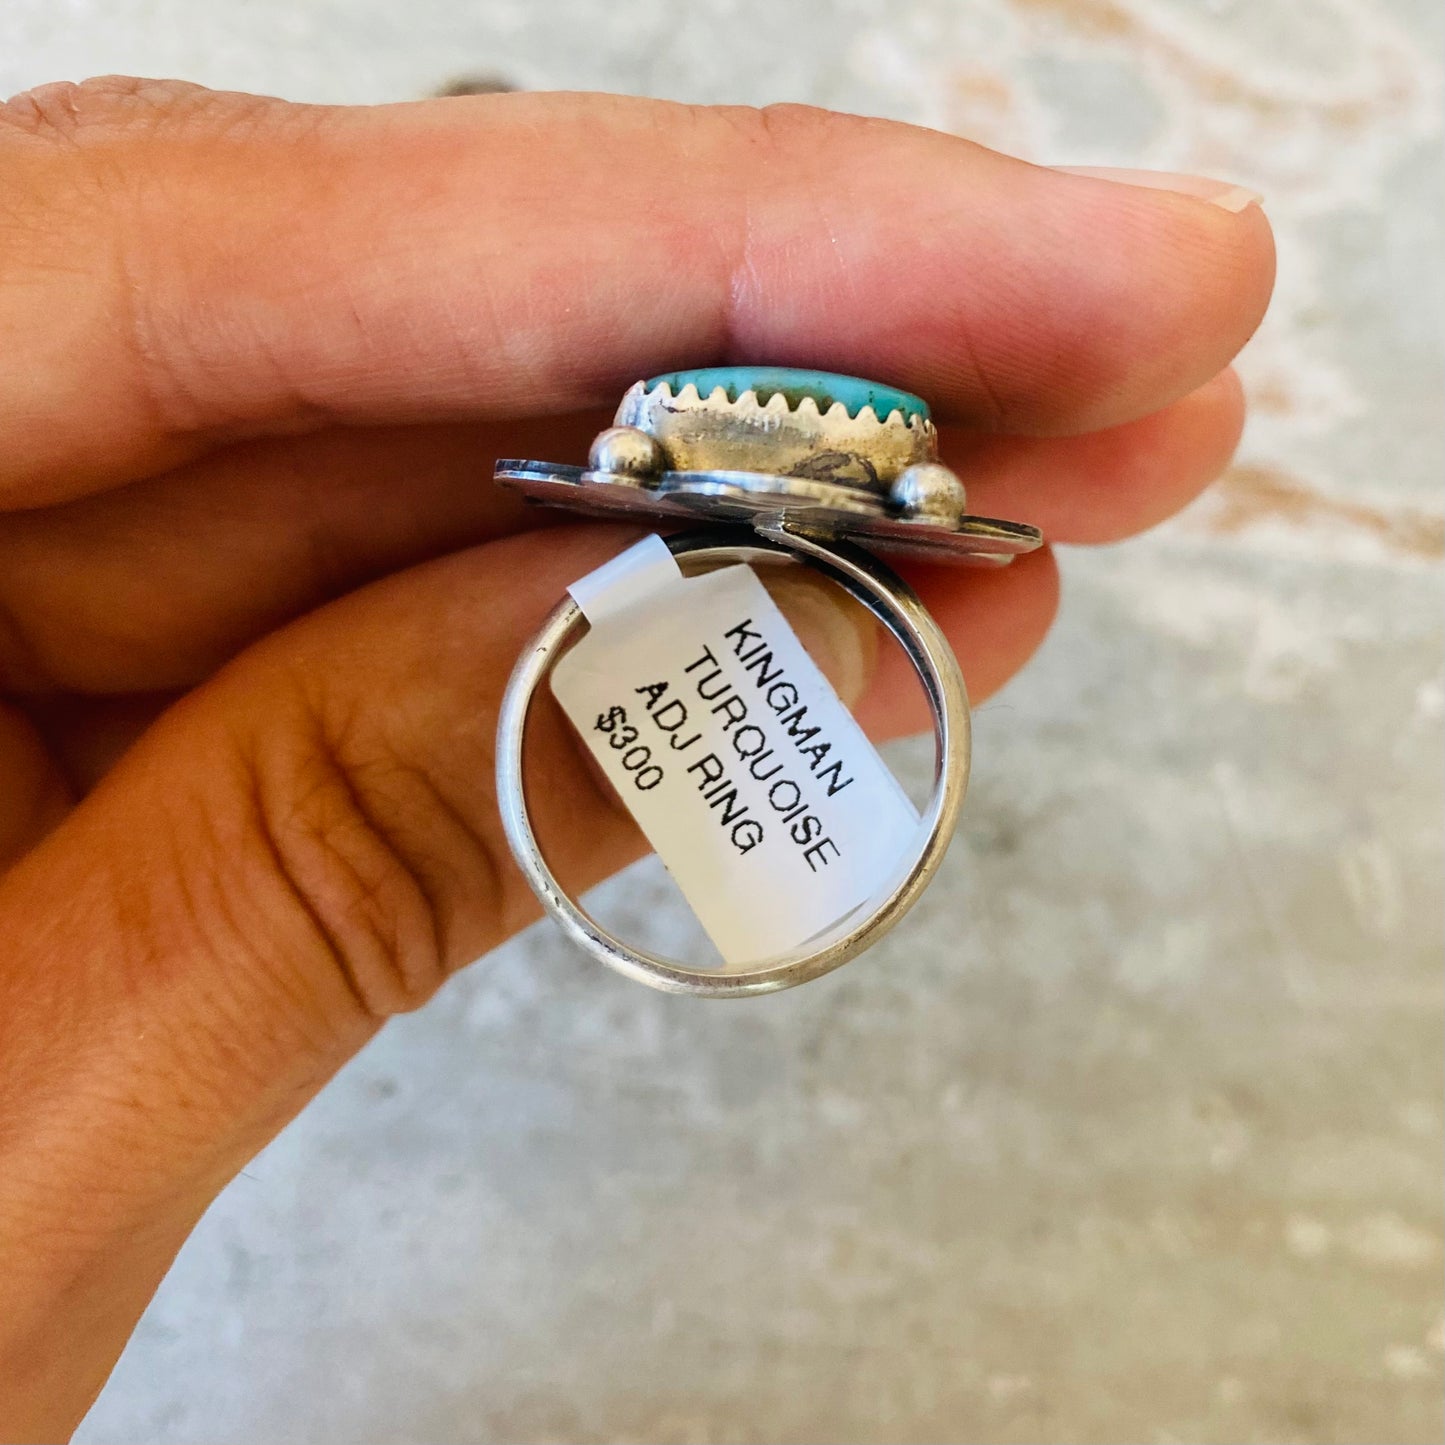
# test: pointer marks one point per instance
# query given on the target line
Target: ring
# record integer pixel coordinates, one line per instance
(878, 588)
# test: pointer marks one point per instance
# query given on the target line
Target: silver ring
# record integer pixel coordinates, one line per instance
(895, 605)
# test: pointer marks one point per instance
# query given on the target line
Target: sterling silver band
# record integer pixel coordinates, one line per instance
(890, 600)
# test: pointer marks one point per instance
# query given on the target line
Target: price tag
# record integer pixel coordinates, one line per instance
(753, 783)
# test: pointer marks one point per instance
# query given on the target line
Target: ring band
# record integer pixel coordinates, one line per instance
(895, 605)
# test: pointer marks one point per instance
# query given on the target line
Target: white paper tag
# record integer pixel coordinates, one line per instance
(751, 780)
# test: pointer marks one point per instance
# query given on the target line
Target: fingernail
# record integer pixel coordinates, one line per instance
(1224, 194)
(839, 634)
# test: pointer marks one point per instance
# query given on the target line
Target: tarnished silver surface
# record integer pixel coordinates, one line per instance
(841, 475)
(899, 610)
(704, 433)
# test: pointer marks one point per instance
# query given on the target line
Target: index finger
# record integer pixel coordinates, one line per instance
(183, 268)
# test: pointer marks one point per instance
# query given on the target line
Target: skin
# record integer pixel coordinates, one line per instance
(258, 601)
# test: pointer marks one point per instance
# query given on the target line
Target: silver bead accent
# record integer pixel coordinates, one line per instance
(929, 492)
(627, 454)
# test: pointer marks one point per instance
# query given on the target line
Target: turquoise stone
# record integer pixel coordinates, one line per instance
(825, 387)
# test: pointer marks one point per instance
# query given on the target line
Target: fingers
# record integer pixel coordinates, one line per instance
(237, 916)
(86, 736)
(157, 585)
(35, 796)
(1105, 485)
(184, 268)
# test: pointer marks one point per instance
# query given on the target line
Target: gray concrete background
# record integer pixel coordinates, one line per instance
(1134, 1131)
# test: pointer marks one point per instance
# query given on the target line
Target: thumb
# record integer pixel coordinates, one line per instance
(302, 847)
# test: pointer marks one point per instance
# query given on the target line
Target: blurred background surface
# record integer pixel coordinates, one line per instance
(1134, 1132)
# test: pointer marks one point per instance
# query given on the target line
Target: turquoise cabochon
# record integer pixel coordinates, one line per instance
(825, 388)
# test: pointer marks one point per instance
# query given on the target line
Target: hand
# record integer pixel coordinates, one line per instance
(259, 597)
